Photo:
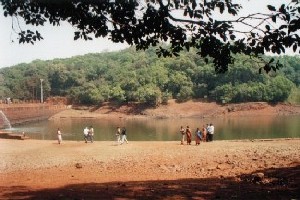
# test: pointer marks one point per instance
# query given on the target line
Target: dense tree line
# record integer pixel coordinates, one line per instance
(218, 29)
(140, 76)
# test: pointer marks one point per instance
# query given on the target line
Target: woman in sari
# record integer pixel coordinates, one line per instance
(188, 133)
(198, 136)
(204, 133)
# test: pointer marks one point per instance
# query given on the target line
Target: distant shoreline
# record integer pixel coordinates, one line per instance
(189, 109)
(18, 136)
(24, 113)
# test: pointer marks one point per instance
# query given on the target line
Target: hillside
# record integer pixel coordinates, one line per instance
(140, 76)
(187, 109)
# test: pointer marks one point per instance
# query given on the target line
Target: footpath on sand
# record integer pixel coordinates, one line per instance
(34, 169)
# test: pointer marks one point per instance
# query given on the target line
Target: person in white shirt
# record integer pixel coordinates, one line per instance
(91, 134)
(86, 134)
(210, 131)
(118, 135)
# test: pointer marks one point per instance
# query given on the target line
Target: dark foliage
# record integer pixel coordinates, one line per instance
(151, 22)
(140, 76)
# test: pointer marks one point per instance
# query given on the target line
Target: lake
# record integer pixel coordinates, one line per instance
(165, 129)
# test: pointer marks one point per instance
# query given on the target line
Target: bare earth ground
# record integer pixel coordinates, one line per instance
(259, 169)
(32, 169)
(181, 110)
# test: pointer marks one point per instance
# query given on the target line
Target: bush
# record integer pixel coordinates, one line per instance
(294, 97)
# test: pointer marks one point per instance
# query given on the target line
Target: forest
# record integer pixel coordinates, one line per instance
(143, 77)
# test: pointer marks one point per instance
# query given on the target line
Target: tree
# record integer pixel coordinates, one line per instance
(103, 77)
(91, 94)
(177, 81)
(279, 89)
(4, 91)
(225, 93)
(149, 94)
(184, 94)
(183, 24)
(117, 94)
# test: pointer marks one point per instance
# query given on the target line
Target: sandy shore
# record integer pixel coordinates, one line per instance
(33, 169)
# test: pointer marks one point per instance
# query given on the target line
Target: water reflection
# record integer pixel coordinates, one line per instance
(166, 129)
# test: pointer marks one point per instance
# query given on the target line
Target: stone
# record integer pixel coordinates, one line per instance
(211, 168)
(258, 177)
(78, 165)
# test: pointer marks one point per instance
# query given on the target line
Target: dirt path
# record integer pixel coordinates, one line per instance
(33, 169)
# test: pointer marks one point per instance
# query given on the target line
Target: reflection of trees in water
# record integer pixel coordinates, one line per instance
(168, 129)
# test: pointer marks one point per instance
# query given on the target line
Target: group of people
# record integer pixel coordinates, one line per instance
(121, 135)
(88, 134)
(205, 134)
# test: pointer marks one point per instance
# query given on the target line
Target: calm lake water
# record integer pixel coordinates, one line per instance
(166, 129)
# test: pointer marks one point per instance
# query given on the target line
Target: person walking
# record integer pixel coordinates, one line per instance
(124, 136)
(91, 133)
(86, 134)
(59, 137)
(182, 132)
(210, 132)
(118, 135)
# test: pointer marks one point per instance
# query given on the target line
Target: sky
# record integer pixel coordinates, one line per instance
(59, 43)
